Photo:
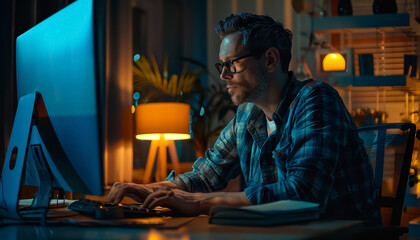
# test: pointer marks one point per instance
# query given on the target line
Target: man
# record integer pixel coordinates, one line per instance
(289, 139)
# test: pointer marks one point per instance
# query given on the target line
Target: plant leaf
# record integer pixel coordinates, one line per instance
(157, 73)
(172, 85)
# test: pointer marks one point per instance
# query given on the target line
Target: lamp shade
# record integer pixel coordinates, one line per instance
(167, 119)
(334, 62)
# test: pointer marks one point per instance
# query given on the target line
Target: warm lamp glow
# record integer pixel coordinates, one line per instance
(162, 123)
(169, 120)
(166, 136)
(334, 62)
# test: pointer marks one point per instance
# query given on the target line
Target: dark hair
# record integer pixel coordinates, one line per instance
(259, 34)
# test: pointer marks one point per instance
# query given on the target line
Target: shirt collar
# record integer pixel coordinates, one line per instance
(289, 93)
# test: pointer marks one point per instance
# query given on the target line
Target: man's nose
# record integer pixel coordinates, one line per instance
(225, 74)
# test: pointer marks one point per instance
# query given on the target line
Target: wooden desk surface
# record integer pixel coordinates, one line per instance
(186, 229)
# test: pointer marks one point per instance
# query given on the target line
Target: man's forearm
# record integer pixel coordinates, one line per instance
(208, 200)
(168, 184)
(167, 194)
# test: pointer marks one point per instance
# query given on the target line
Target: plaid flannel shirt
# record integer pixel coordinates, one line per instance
(314, 155)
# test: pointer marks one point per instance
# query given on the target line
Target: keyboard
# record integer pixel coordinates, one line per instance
(102, 210)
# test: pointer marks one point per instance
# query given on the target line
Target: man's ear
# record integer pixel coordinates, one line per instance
(272, 59)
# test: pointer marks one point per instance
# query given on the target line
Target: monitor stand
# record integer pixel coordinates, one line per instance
(34, 157)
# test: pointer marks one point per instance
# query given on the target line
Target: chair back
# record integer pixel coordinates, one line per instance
(390, 148)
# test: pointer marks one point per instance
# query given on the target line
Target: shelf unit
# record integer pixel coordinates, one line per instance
(398, 22)
(369, 81)
(388, 83)
(364, 24)
(361, 23)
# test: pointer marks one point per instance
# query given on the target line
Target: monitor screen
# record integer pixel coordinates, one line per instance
(58, 59)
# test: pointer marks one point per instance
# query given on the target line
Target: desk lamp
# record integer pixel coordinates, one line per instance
(162, 123)
(334, 62)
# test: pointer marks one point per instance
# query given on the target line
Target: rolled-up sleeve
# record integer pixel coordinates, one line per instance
(213, 172)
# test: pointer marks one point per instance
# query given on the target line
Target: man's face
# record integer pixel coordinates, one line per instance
(250, 79)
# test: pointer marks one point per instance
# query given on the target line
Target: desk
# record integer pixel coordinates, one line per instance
(192, 228)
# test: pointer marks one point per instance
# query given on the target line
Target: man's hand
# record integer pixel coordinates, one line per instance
(119, 190)
(138, 192)
(193, 204)
(185, 203)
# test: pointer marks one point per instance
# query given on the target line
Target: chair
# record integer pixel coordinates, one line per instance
(390, 148)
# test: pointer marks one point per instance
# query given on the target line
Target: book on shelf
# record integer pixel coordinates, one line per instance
(280, 212)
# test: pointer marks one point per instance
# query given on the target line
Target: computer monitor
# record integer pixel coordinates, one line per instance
(57, 58)
(60, 69)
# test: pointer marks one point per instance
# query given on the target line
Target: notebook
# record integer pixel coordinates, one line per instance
(280, 212)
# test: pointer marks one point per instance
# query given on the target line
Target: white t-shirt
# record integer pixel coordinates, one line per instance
(271, 126)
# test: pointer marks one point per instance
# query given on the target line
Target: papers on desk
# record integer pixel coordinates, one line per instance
(286, 211)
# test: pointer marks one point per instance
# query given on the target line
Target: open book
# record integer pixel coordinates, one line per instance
(286, 211)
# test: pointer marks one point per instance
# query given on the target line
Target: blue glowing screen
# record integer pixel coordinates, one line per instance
(57, 59)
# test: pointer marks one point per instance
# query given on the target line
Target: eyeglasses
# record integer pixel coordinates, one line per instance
(230, 65)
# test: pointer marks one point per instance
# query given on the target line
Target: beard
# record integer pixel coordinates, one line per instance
(251, 94)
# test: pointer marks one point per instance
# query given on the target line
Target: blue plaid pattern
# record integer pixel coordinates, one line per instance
(314, 155)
